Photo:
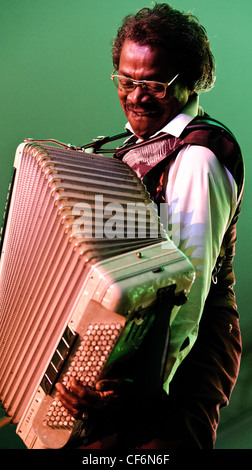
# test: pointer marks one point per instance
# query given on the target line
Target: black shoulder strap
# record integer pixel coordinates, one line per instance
(210, 133)
(207, 121)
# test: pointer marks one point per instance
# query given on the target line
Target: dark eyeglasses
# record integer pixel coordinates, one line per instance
(127, 85)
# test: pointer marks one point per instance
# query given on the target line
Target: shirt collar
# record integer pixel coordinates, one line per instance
(176, 126)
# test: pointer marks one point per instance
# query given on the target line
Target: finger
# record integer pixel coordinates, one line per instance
(73, 403)
(66, 395)
(76, 393)
(103, 385)
(106, 385)
(119, 386)
(77, 388)
(68, 400)
(60, 387)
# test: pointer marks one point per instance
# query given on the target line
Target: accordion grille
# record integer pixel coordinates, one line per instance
(46, 257)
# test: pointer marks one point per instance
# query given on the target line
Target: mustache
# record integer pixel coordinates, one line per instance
(141, 109)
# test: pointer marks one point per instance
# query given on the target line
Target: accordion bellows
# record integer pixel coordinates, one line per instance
(70, 284)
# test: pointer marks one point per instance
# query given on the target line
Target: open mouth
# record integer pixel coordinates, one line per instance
(142, 112)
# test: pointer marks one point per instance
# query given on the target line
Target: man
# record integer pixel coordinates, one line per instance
(162, 61)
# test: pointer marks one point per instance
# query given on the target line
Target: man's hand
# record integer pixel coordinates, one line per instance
(113, 409)
(78, 399)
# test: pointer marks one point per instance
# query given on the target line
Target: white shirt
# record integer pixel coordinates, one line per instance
(202, 196)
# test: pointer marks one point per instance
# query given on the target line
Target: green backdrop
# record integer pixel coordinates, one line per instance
(55, 65)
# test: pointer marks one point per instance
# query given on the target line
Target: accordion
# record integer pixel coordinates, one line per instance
(84, 259)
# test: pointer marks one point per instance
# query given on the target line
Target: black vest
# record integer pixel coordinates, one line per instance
(212, 134)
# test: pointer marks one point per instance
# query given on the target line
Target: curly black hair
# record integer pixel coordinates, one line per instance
(180, 34)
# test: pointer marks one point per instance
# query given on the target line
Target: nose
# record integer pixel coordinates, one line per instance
(136, 96)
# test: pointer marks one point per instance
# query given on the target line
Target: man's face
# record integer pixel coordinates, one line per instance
(145, 113)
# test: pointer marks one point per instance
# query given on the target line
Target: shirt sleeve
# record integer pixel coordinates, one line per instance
(201, 196)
